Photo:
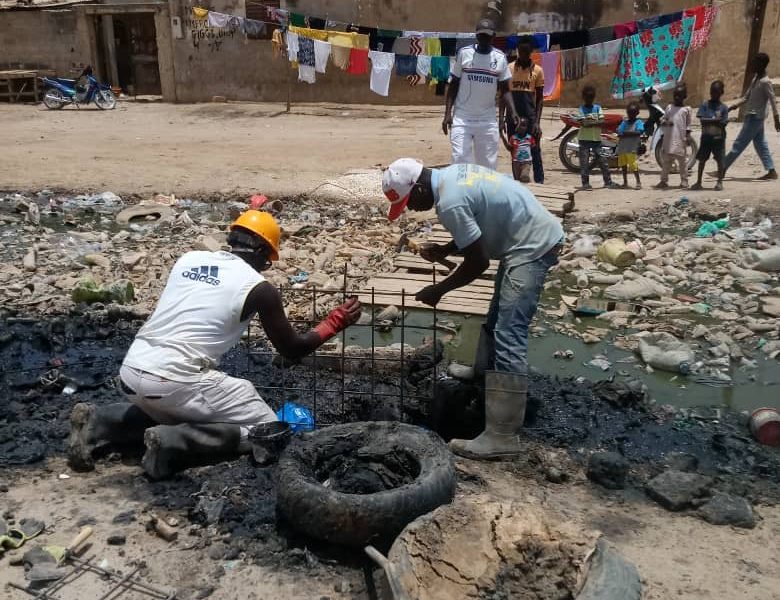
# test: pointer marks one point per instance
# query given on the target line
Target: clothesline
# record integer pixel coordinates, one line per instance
(332, 23)
(643, 57)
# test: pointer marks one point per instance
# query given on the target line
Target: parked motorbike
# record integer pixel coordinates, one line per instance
(568, 150)
(58, 92)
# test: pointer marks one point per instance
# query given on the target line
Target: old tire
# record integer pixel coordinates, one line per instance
(611, 577)
(360, 519)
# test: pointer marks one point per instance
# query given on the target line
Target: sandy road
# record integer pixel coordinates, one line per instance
(211, 149)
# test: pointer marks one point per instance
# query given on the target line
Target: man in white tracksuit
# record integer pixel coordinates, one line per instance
(181, 406)
(470, 118)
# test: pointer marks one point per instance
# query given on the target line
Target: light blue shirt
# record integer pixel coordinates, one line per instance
(473, 203)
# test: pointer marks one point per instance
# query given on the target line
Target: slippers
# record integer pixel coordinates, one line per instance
(13, 538)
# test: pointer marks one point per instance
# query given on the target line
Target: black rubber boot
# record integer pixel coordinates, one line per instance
(92, 426)
(486, 352)
(173, 448)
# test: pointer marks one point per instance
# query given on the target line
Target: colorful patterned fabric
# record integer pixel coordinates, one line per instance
(702, 35)
(655, 57)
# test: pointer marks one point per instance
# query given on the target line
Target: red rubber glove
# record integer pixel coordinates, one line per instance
(339, 319)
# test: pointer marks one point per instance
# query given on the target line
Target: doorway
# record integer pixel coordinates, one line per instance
(130, 43)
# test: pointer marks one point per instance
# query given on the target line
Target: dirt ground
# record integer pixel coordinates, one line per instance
(205, 149)
(226, 149)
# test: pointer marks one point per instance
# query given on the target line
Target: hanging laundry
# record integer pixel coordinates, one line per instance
(607, 53)
(348, 39)
(340, 56)
(570, 39)
(292, 46)
(306, 74)
(424, 66)
(334, 26)
(381, 70)
(254, 30)
(297, 20)
(599, 35)
(499, 43)
(416, 44)
(405, 65)
(358, 61)
(305, 51)
(440, 68)
(448, 46)
(216, 19)
(372, 33)
(670, 18)
(551, 65)
(512, 41)
(315, 34)
(402, 46)
(655, 57)
(574, 64)
(321, 55)
(277, 43)
(697, 13)
(433, 46)
(385, 38)
(280, 15)
(648, 23)
(541, 42)
(702, 36)
(200, 13)
(316, 23)
(624, 29)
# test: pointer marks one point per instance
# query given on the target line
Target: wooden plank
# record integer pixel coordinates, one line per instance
(394, 287)
(426, 278)
(479, 309)
(410, 261)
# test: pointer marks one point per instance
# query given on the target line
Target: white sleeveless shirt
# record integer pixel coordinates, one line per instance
(197, 318)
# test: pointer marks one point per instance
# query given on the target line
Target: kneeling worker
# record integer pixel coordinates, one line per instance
(490, 216)
(181, 407)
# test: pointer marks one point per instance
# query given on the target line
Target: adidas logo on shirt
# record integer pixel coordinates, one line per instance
(205, 274)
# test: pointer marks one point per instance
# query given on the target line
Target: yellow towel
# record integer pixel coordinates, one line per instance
(200, 13)
(348, 39)
(315, 34)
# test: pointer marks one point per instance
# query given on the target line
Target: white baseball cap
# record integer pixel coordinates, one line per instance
(397, 183)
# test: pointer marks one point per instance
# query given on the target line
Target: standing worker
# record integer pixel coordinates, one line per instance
(490, 216)
(527, 87)
(760, 92)
(181, 406)
(479, 71)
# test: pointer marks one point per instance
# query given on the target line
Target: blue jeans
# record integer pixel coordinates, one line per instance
(513, 307)
(752, 131)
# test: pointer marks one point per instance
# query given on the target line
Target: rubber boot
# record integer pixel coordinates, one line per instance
(173, 448)
(505, 399)
(486, 347)
(92, 426)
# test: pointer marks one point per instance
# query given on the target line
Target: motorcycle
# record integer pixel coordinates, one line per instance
(58, 92)
(568, 150)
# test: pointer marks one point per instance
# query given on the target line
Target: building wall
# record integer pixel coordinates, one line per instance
(44, 39)
(208, 62)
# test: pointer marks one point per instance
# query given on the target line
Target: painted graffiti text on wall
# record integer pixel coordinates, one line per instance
(547, 21)
(208, 38)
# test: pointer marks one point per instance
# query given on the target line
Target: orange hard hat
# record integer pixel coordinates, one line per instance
(262, 224)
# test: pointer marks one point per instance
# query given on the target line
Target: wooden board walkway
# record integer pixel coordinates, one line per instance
(412, 273)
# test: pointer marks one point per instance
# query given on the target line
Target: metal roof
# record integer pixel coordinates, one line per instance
(37, 4)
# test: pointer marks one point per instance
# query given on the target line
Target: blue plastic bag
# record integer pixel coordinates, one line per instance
(298, 417)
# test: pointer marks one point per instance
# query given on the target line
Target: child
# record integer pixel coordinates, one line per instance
(677, 128)
(629, 132)
(591, 119)
(714, 116)
(520, 145)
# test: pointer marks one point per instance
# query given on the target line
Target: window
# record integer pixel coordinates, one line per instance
(257, 10)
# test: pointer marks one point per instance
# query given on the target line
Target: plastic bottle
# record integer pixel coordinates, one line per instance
(298, 417)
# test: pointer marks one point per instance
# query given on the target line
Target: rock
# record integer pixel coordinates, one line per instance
(29, 261)
(555, 475)
(682, 461)
(608, 469)
(124, 518)
(724, 509)
(141, 211)
(97, 260)
(217, 551)
(623, 215)
(116, 539)
(15, 558)
(389, 313)
(676, 490)
(207, 243)
(463, 372)
(131, 259)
